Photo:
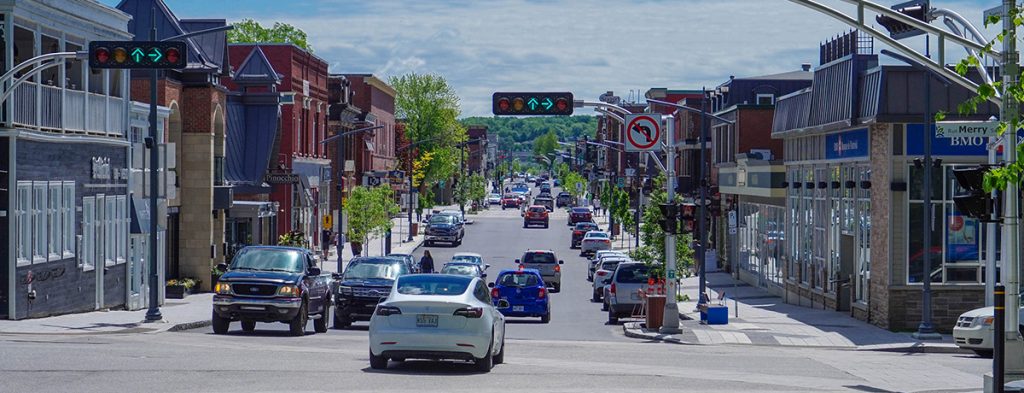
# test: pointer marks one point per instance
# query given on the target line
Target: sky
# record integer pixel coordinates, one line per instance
(583, 46)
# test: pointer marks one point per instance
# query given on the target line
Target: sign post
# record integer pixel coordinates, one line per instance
(643, 132)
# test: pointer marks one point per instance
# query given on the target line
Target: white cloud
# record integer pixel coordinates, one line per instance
(587, 47)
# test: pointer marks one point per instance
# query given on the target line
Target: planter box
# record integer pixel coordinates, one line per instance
(178, 292)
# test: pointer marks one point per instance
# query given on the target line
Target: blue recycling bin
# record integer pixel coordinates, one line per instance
(717, 315)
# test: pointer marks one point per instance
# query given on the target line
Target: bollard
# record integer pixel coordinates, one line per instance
(999, 342)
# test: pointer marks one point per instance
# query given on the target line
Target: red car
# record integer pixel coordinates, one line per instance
(580, 214)
(509, 200)
(536, 214)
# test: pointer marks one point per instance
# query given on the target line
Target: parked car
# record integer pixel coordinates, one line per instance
(580, 214)
(622, 294)
(595, 241)
(599, 258)
(510, 200)
(470, 257)
(366, 281)
(438, 316)
(409, 260)
(535, 215)
(524, 292)
(579, 230)
(975, 331)
(545, 201)
(563, 199)
(604, 273)
(272, 284)
(547, 264)
(444, 228)
(459, 215)
(465, 269)
(493, 199)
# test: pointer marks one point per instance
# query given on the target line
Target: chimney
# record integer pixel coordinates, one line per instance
(806, 66)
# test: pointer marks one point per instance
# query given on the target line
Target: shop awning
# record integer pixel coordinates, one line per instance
(250, 139)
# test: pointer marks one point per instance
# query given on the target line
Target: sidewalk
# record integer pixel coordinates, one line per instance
(375, 247)
(764, 319)
(624, 241)
(178, 314)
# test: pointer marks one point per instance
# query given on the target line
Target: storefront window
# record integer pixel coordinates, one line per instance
(957, 240)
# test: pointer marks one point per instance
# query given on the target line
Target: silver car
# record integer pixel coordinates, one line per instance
(598, 257)
(547, 264)
(604, 274)
(622, 294)
(595, 241)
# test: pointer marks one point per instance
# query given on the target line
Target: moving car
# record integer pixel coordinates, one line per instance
(579, 230)
(365, 282)
(510, 200)
(535, 215)
(493, 199)
(545, 187)
(521, 188)
(409, 260)
(469, 257)
(438, 316)
(603, 274)
(444, 228)
(622, 294)
(599, 258)
(595, 241)
(524, 291)
(547, 264)
(974, 330)
(465, 269)
(580, 214)
(547, 202)
(563, 199)
(272, 284)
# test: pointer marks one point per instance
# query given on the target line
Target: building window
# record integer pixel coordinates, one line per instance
(39, 222)
(23, 223)
(765, 99)
(88, 252)
(54, 230)
(68, 219)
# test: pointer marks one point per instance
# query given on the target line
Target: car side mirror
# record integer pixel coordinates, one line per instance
(503, 303)
(487, 266)
(222, 267)
(517, 261)
(490, 285)
(483, 275)
(313, 271)
(561, 262)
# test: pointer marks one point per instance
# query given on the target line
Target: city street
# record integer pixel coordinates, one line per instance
(577, 351)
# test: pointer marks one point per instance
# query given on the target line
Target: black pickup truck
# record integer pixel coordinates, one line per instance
(366, 281)
(272, 284)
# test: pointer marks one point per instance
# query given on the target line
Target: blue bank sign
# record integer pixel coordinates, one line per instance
(955, 146)
(849, 144)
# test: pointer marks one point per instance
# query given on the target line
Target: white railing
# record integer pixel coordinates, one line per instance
(115, 114)
(97, 105)
(74, 110)
(25, 104)
(51, 108)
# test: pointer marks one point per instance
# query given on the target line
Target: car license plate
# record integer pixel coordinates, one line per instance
(253, 308)
(425, 320)
(518, 308)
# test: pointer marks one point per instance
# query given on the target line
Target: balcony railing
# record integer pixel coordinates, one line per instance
(41, 108)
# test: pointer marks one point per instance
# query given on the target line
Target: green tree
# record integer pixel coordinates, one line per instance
(250, 31)
(544, 148)
(430, 107)
(652, 237)
(574, 184)
(369, 211)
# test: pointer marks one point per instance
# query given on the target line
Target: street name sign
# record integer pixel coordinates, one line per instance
(643, 132)
(966, 129)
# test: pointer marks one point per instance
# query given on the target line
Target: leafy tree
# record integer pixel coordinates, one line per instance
(519, 133)
(250, 31)
(574, 184)
(544, 148)
(430, 108)
(369, 211)
(652, 237)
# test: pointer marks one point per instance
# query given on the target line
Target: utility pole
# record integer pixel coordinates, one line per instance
(670, 322)
(153, 313)
(702, 216)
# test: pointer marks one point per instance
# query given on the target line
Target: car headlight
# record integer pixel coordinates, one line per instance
(343, 290)
(288, 290)
(984, 320)
(222, 288)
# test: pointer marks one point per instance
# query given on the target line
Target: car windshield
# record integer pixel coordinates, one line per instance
(442, 219)
(382, 269)
(537, 209)
(610, 265)
(539, 257)
(597, 235)
(433, 284)
(580, 210)
(467, 258)
(632, 274)
(518, 280)
(269, 260)
(510, 196)
(586, 227)
(459, 270)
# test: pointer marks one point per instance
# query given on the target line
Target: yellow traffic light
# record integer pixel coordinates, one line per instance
(120, 55)
(518, 104)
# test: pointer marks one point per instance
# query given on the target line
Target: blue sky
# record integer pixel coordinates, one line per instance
(587, 47)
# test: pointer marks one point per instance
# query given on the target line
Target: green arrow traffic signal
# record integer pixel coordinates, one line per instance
(548, 103)
(532, 103)
(155, 55)
(137, 55)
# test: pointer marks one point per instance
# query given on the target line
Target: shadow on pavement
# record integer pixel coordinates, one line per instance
(427, 367)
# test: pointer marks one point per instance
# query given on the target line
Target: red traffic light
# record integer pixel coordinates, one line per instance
(503, 104)
(102, 55)
(172, 55)
(561, 104)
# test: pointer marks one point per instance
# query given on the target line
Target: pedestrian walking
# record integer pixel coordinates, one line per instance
(325, 242)
(597, 206)
(426, 263)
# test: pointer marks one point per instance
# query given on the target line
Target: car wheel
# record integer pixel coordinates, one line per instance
(612, 318)
(248, 326)
(546, 317)
(341, 321)
(320, 324)
(378, 362)
(500, 357)
(486, 363)
(297, 326)
(985, 353)
(545, 225)
(595, 297)
(220, 325)
(604, 306)
(557, 287)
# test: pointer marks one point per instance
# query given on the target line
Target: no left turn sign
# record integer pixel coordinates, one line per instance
(643, 132)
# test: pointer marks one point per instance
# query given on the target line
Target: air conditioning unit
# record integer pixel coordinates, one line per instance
(287, 98)
(761, 154)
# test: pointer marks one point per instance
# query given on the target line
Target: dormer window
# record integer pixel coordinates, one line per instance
(766, 99)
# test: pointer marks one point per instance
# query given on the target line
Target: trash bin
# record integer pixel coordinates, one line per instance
(655, 311)
(415, 229)
(718, 315)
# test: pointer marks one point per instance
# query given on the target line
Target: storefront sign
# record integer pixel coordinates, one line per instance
(946, 146)
(849, 144)
(101, 170)
(281, 178)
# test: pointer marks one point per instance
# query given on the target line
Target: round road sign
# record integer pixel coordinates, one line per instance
(642, 132)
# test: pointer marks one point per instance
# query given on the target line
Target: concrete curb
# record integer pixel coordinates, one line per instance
(633, 330)
(189, 325)
(916, 348)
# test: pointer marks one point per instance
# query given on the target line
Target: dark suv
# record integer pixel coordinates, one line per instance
(366, 281)
(580, 214)
(563, 199)
(272, 284)
(444, 228)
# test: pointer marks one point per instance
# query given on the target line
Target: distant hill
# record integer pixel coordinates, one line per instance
(519, 133)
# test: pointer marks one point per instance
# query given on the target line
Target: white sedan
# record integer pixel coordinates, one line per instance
(595, 241)
(438, 316)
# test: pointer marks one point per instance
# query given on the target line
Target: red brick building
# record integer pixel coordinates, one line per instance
(304, 107)
(476, 152)
(375, 151)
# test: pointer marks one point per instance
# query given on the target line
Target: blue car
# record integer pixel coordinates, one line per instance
(525, 293)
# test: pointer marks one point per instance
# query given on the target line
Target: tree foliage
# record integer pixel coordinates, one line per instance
(250, 31)
(574, 183)
(429, 107)
(652, 237)
(369, 211)
(518, 134)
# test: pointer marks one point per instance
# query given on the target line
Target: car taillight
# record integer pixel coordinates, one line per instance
(612, 289)
(388, 310)
(521, 267)
(495, 293)
(601, 272)
(541, 292)
(577, 232)
(558, 269)
(470, 312)
(607, 241)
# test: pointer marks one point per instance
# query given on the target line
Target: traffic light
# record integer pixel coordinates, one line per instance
(975, 202)
(138, 54)
(668, 217)
(532, 104)
(687, 214)
(917, 9)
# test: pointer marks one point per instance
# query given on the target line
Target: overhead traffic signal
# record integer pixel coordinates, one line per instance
(532, 104)
(975, 202)
(917, 9)
(138, 54)
(687, 217)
